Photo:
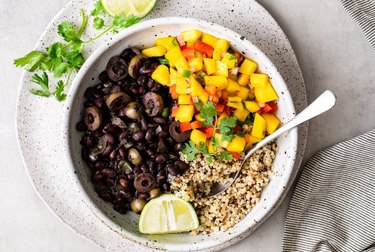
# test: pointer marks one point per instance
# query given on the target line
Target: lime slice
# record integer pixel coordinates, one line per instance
(139, 8)
(167, 214)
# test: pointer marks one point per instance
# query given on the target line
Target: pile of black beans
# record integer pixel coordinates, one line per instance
(131, 143)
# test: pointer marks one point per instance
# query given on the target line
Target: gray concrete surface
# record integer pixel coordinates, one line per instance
(333, 54)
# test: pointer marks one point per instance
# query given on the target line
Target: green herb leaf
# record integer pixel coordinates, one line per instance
(98, 23)
(61, 69)
(203, 148)
(209, 159)
(175, 43)
(31, 61)
(98, 9)
(186, 73)
(59, 91)
(207, 113)
(67, 31)
(123, 21)
(198, 105)
(190, 150)
(232, 57)
(226, 155)
(227, 124)
(164, 61)
(240, 133)
(41, 81)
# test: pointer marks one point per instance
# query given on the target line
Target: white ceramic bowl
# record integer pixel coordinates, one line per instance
(143, 35)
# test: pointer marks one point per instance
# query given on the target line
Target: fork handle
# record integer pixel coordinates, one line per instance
(321, 104)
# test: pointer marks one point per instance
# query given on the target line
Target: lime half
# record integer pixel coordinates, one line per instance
(167, 214)
(139, 8)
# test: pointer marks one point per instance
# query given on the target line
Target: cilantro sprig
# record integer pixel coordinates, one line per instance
(65, 57)
(209, 117)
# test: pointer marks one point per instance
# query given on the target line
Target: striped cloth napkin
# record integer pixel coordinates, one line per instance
(333, 205)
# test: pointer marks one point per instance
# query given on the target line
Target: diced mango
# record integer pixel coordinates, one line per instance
(173, 55)
(248, 67)
(241, 115)
(233, 87)
(237, 144)
(243, 93)
(221, 117)
(211, 147)
(235, 99)
(166, 42)
(259, 127)
(223, 144)
(252, 106)
(222, 45)
(210, 65)
(191, 36)
(161, 75)
(230, 60)
(237, 105)
(181, 64)
(209, 39)
(173, 76)
(197, 90)
(184, 99)
(243, 79)
(216, 55)
(185, 113)
(182, 86)
(272, 122)
(251, 95)
(250, 141)
(221, 69)
(198, 136)
(196, 64)
(258, 80)
(265, 94)
(155, 51)
(220, 82)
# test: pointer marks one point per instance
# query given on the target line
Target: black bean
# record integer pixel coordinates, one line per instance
(124, 183)
(173, 156)
(110, 128)
(150, 135)
(178, 146)
(138, 136)
(103, 76)
(137, 170)
(143, 196)
(97, 176)
(123, 135)
(159, 119)
(152, 125)
(110, 182)
(182, 165)
(170, 141)
(80, 126)
(161, 158)
(88, 140)
(107, 150)
(99, 165)
(99, 102)
(166, 188)
(109, 173)
(122, 152)
(144, 124)
(140, 146)
(113, 154)
(173, 170)
(131, 176)
(106, 196)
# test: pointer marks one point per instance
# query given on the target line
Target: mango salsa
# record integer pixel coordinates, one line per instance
(198, 136)
(161, 75)
(237, 144)
(155, 51)
(259, 127)
(166, 42)
(272, 122)
(185, 113)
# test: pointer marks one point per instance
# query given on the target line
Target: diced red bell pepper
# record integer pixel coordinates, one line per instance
(269, 107)
(237, 128)
(209, 132)
(227, 110)
(224, 95)
(220, 108)
(239, 57)
(185, 126)
(204, 48)
(236, 155)
(196, 125)
(188, 52)
(212, 90)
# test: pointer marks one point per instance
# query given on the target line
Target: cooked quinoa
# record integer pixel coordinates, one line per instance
(224, 211)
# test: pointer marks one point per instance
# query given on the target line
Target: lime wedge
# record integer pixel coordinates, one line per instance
(167, 214)
(139, 8)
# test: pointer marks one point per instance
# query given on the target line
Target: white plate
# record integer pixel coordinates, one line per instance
(39, 120)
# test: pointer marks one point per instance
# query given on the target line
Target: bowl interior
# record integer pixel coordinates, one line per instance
(143, 35)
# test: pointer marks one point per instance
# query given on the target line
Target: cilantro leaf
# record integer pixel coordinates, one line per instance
(203, 148)
(67, 31)
(207, 113)
(190, 150)
(198, 105)
(227, 124)
(98, 9)
(209, 159)
(123, 21)
(59, 91)
(98, 23)
(226, 155)
(61, 69)
(31, 61)
(41, 81)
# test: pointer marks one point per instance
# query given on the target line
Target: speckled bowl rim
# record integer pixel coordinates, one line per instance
(144, 25)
